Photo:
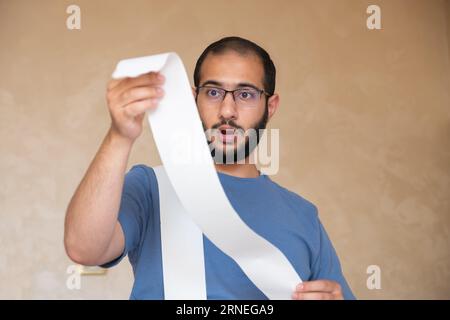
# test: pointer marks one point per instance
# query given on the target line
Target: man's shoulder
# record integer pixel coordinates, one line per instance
(141, 169)
(296, 200)
(140, 175)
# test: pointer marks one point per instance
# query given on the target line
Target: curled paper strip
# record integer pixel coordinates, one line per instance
(196, 187)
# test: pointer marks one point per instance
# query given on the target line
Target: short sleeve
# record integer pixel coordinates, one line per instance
(327, 265)
(134, 211)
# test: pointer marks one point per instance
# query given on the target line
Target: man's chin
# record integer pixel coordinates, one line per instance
(228, 153)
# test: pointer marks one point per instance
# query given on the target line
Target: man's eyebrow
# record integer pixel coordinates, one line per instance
(220, 84)
(213, 82)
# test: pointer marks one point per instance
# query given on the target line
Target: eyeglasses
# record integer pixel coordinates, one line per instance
(246, 97)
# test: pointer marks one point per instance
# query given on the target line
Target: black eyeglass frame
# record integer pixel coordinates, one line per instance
(261, 91)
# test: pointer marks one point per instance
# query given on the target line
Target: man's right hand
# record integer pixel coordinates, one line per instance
(129, 98)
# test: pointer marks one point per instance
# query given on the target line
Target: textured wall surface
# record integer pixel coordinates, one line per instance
(364, 124)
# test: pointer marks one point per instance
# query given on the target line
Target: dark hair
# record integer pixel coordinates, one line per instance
(241, 46)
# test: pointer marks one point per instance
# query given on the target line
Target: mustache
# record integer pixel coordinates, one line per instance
(230, 123)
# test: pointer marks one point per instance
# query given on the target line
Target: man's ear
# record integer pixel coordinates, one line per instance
(273, 103)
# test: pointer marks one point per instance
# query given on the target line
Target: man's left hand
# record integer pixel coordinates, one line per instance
(318, 290)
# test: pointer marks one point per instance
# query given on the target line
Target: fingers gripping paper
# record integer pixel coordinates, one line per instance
(200, 195)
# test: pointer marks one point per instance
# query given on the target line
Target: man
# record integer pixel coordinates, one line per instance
(112, 215)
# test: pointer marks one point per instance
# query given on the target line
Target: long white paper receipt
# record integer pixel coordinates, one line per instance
(196, 184)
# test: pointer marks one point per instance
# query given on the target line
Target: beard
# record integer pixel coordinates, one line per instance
(235, 152)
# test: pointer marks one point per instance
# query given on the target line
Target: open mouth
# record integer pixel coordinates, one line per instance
(227, 135)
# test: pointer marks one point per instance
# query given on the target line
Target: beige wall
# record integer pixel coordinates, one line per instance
(364, 122)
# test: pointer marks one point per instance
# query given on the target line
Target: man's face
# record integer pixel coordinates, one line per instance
(232, 120)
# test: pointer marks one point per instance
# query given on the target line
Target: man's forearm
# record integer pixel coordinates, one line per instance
(92, 213)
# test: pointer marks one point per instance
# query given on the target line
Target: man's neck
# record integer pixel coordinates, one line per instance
(238, 170)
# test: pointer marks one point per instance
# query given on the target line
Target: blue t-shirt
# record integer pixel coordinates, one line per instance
(282, 217)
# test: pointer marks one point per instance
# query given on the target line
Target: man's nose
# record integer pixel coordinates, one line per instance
(228, 107)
